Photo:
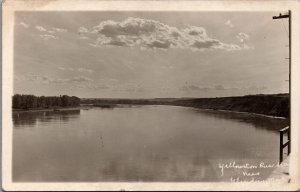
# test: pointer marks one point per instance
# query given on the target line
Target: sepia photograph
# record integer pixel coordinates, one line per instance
(150, 96)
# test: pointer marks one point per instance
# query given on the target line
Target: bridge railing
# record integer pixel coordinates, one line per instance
(286, 144)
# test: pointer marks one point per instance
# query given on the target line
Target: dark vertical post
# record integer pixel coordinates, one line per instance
(289, 140)
(290, 81)
(280, 147)
(289, 143)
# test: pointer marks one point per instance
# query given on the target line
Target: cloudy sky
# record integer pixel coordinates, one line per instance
(150, 54)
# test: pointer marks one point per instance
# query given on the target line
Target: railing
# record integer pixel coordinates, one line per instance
(287, 143)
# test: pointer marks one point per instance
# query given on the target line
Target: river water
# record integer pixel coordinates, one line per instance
(144, 143)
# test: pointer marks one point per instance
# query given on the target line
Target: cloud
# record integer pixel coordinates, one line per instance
(152, 34)
(83, 30)
(242, 37)
(206, 44)
(85, 70)
(61, 68)
(101, 85)
(90, 87)
(109, 80)
(48, 37)
(193, 87)
(189, 88)
(27, 77)
(229, 24)
(219, 87)
(83, 37)
(24, 25)
(80, 79)
(65, 69)
(59, 30)
(256, 88)
(127, 87)
(46, 79)
(52, 31)
(129, 66)
(40, 28)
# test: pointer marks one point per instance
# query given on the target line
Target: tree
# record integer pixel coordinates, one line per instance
(31, 101)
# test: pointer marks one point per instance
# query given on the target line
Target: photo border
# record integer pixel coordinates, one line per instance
(10, 7)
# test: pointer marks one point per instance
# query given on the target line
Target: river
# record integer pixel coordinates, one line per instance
(143, 143)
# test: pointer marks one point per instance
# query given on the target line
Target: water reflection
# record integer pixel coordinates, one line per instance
(31, 118)
(258, 121)
(144, 143)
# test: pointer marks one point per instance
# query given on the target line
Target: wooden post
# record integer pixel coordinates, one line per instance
(290, 80)
(289, 140)
(280, 147)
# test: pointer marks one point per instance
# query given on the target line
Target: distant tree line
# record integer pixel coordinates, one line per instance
(31, 101)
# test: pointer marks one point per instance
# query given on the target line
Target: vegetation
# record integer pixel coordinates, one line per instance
(42, 102)
(272, 104)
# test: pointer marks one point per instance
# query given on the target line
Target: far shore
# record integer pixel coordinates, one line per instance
(229, 111)
(119, 105)
(270, 105)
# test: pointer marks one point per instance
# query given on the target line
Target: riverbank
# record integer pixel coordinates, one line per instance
(257, 114)
(45, 110)
(272, 105)
(269, 105)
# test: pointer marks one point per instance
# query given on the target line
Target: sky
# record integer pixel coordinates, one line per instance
(150, 54)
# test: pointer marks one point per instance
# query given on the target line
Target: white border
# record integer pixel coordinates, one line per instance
(10, 6)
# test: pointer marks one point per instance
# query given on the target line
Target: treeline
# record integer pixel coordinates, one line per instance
(42, 102)
(273, 104)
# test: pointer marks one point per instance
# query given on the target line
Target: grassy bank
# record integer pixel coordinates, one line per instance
(271, 105)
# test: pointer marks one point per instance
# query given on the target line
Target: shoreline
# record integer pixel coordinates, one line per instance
(45, 110)
(272, 105)
(221, 110)
(232, 111)
(258, 114)
(82, 107)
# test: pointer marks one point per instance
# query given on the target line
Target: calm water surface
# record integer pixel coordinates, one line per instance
(147, 143)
